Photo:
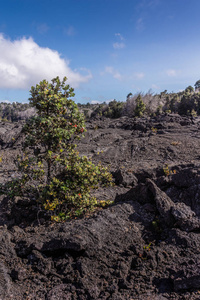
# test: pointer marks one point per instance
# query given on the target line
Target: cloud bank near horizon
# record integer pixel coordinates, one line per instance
(24, 63)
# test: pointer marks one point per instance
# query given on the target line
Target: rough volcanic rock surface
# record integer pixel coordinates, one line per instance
(145, 246)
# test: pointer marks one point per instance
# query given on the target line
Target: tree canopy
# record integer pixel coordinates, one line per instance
(197, 84)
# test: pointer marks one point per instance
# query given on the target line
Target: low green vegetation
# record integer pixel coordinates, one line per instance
(168, 171)
(52, 171)
(13, 111)
(140, 107)
(186, 102)
(111, 110)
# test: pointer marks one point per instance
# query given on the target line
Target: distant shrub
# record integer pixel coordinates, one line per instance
(140, 107)
(114, 109)
(111, 110)
(189, 89)
(159, 110)
(186, 105)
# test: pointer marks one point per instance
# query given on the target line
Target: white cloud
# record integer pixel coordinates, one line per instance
(70, 31)
(88, 99)
(5, 101)
(113, 72)
(143, 4)
(139, 75)
(153, 3)
(140, 24)
(100, 102)
(154, 86)
(171, 72)
(118, 45)
(24, 63)
(120, 36)
(42, 28)
(95, 102)
(109, 100)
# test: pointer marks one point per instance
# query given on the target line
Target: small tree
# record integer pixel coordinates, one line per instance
(128, 96)
(140, 107)
(189, 89)
(52, 171)
(187, 104)
(197, 85)
(113, 109)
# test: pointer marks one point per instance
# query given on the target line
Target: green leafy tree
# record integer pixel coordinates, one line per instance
(52, 170)
(197, 84)
(174, 102)
(189, 89)
(163, 94)
(187, 104)
(159, 110)
(114, 109)
(140, 107)
(128, 96)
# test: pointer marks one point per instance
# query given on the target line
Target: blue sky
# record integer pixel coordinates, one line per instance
(106, 48)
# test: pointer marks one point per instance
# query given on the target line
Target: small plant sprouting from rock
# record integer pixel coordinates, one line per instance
(148, 247)
(154, 130)
(52, 170)
(167, 170)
